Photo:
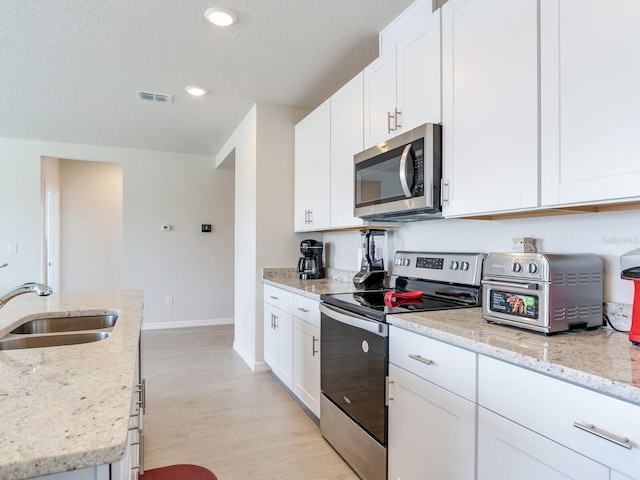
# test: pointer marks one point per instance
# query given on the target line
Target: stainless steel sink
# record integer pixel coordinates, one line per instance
(52, 340)
(66, 324)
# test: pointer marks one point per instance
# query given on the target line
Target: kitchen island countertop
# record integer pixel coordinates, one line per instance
(67, 407)
(602, 360)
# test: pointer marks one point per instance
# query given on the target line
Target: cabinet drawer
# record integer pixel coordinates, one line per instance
(279, 298)
(445, 365)
(552, 407)
(307, 309)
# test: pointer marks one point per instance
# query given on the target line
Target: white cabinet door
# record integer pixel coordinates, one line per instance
(590, 77)
(380, 99)
(402, 86)
(312, 170)
(270, 337)
(490, 105)
(306, 360)
(346, 140)
(278, 343)
(418, 67)
(431, 430)
(507, 451)
(619, 476)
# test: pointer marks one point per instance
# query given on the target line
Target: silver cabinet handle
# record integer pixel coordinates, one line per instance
(397, 114)
(426, 361)
(4, 265)
(303, 310)
(275, 321)
(444, 191)
(314, 339)
(274, 297)
(389, 117)
(587, 427)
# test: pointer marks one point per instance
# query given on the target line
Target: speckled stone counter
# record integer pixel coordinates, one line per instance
(602, 360)
(67, 407)
(338, 281)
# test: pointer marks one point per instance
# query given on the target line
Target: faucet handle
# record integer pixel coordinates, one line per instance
(4, 265)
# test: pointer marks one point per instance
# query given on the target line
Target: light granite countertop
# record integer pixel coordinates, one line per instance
(66, 408)
(601, 359)
(337, 281)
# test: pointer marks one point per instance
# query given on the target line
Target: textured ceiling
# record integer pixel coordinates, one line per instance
(69, 69)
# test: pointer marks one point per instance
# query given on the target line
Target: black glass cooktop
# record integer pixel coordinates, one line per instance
(371, 303)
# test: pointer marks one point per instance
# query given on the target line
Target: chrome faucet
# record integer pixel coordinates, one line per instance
(37, 288)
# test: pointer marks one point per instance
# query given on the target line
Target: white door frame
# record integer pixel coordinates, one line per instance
(52, 237)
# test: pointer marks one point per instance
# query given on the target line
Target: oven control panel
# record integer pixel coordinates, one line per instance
(463, 268)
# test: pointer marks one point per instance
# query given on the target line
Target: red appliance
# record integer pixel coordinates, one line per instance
(630, 263)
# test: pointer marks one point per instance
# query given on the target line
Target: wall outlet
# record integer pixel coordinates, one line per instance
(13, 248)
(524, 244)
(168, 302)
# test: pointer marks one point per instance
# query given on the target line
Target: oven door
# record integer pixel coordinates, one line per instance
(522, 304)
(353, 367)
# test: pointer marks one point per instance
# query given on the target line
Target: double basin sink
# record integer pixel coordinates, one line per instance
(61, 330)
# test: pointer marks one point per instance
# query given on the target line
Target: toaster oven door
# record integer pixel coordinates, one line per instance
(521, 304)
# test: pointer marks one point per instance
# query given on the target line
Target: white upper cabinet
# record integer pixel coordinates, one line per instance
(490, 106)
(402, 87)
(346, 141)
(312, 170)
(590, 85)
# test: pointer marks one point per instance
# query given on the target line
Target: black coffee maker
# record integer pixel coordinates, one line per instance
(310, 266)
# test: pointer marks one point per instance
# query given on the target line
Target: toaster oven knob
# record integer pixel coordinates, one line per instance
(454, 265)
(532, 268)
(516, 267)
(464, 266)
(406, 262)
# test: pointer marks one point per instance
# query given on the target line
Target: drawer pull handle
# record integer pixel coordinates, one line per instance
(274, 297)
(303, 310)
(426, 361)
(314, 339)
(622, 441)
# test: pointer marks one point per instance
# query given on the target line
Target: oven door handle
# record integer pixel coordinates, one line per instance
(354, 320)
(495, 283)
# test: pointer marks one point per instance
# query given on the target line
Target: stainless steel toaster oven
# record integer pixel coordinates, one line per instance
(547, 293)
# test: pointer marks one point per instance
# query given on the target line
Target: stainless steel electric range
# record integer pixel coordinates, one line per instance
(355, 348)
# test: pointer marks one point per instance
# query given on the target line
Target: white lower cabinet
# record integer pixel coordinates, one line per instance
(432, 426)
(431, 430)
(578, 425)
(306, 362)
(292, 343)
(507, 451)
(278, 343)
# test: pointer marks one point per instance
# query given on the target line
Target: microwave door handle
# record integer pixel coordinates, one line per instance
(403, 171)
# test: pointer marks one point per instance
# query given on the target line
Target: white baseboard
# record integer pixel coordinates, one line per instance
(255, 367)
(187, 323)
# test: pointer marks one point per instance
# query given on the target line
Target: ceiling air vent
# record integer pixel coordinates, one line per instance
(154, 97)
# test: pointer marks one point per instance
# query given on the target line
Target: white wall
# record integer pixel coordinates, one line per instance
(607, 234)
(261, 152)
(90, 225)
(184, 190)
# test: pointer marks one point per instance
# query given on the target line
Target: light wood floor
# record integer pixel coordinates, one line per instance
(206, 407)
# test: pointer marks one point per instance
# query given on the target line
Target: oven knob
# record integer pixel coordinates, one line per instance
(464, 266)
(398, 261)
(516, 267)
(454, 265)
(406, 262)
(532, 268)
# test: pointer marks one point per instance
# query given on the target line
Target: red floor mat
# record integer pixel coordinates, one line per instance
(178, 472)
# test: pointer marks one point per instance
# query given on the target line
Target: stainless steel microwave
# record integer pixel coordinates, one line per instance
(399, 180)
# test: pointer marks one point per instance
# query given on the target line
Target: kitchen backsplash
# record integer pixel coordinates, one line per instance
(619, 315)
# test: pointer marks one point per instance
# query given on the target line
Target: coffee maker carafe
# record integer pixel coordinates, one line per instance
(372, 273)
(310, 266)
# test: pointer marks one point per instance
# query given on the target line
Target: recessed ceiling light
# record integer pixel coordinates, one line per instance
(196, 91)
(220, 17)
